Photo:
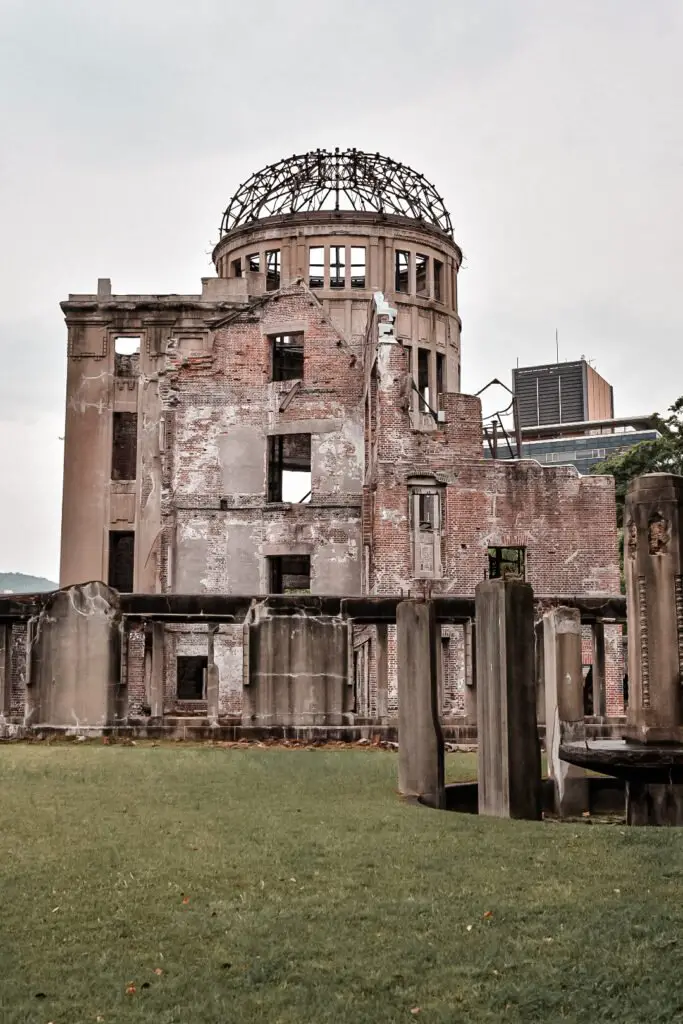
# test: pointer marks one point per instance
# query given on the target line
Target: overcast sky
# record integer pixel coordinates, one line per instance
(553, 129)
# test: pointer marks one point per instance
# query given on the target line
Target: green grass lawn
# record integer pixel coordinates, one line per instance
(259, 884)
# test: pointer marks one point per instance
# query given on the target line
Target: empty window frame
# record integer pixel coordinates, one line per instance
(427, 511)
(289, 574)
(191, 671)
(423, 359)
(126, 356)
(236, 267)
(421, 274)
(402, 271)
(358, 266)
(289, 468)
(337, 266)
(288, 356)
(272, 270)
(316, 266)
(438, 280)
(440, 375)
(507, 563)
(121, 560)
(425, 523)
(124, 446)
(253, 262)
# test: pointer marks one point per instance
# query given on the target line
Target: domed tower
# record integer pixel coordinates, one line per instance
(351, 224)
(174, 401)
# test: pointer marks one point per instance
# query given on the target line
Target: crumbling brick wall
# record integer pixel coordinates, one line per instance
(18, 670)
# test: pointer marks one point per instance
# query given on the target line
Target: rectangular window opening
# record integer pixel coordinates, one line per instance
(358, 266)
(316, 266)
(427, 512)
(423, 355)
(253, 262)
(440, 375)
(124, 446)
(191, 676)
(402, 283)
(289, 468)
(425, 525)
(507, 563)
(272, 270)
(121, 560)
(438, 280)
(290, 574)
(288, 357)
(421, 274)
(236, 266)
(126, 356)
(337, 266)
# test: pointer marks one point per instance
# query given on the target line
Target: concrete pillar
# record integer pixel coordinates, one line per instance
(156, 687)
(420, 740)
(298, 668)
(470, 635)
(211, 675)
(75, 658)
(599, 674)
(564, 721)
(540, 672)
(509, 755)
(654, 803)
(5, 668)
(382, 672)
(653, 565)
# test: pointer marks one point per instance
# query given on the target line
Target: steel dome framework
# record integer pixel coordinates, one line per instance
(339, 180)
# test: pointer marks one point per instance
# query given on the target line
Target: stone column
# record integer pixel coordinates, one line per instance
(654, 568)
(382, 672)
(470, 634)
(5, 668)
(564, 720)
(509, 752)
(298, 668)
(211, 676)
(420, 739)
(156, 688)
(599, 675)
(540, 672)
(75, 658)
(653, 564)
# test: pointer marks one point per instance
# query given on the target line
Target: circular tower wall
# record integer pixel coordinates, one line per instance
(349, 225)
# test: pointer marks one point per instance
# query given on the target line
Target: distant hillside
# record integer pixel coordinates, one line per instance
(20, 583)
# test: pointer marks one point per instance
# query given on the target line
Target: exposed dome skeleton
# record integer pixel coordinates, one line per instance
(339, 180)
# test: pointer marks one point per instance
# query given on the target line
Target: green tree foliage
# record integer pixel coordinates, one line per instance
(663, 455)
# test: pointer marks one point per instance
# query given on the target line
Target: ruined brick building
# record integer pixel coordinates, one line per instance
(299, 425)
